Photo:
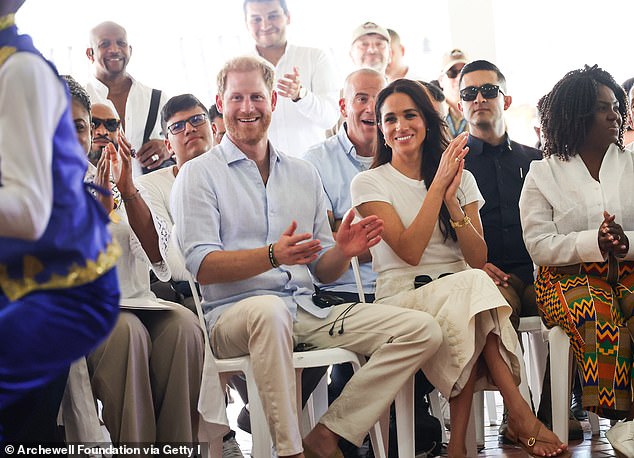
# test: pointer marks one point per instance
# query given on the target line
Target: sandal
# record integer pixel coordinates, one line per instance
(528, 443)
(310, 453)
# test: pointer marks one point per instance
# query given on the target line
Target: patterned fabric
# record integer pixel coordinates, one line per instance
(596, 313)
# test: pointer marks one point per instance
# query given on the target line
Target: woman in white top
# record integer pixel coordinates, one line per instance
(430, 205)
(577, 213)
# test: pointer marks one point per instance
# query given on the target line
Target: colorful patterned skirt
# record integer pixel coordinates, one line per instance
(594, 306)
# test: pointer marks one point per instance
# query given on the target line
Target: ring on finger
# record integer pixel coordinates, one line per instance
(154, 157)
(457, 159)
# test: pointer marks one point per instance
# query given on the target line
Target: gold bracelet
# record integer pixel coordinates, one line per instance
(462, 223)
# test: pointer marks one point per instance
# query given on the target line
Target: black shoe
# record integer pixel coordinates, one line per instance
(502, 438)
(244, 420)
(577, 409)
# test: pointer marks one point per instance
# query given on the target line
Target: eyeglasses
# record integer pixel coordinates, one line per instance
(195, 121)
(488, 91)
(111, 124)
(453, 72)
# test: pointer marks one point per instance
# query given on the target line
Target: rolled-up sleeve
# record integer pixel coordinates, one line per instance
(200, 235)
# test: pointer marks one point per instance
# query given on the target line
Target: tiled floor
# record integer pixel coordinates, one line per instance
(590, 447)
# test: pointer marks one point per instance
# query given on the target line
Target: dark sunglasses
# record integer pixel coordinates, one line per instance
(195, 121)
(453, 72)
(488, 91)
(111, 124)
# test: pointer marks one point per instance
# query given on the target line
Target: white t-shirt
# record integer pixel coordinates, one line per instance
(386, 184)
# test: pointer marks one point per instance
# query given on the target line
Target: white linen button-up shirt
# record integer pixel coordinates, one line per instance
(137, 108)
(561, 207)
(296, 126)
(219, 202)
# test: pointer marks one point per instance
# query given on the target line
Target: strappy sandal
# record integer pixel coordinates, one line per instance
(310, 453)
(528, 443)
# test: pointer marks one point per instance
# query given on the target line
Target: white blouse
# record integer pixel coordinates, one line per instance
(561, 207)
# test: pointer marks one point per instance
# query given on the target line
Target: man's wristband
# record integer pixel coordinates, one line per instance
(272, 259)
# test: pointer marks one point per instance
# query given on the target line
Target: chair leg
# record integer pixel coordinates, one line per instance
(489, 396)
(436, 411)
(560, 357)
(260, 434)
(593, 418)
(404, 404)
(478, 416)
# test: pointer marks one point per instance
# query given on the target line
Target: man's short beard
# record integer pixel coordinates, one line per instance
(95, 155)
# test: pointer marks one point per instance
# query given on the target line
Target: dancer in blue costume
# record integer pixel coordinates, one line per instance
(58, 289)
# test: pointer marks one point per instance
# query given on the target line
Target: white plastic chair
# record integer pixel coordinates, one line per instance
(262, 444)
(404, 402)
(560, 382)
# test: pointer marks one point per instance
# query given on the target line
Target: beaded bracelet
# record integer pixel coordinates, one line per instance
(462, 223)
(272, 259)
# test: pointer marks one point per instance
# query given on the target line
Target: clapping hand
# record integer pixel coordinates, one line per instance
(292, 249)
(355, 239)
(449, 173)
(102, 179)
(289, 85)
(612, 238)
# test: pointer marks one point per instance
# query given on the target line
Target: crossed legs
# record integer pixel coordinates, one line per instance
(521, 418)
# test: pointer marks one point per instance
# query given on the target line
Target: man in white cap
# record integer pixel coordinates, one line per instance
(371, 47)
(452, 64)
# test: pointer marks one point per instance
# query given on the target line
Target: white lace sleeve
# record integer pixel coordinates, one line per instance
(161, 268)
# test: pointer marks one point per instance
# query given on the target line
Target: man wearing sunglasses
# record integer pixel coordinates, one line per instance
(499, 166)
(105, 128)
(452, 64)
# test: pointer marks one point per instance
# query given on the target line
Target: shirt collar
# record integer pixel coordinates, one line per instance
(345, 142)
(102, 89)
(477, 146)
(233, 154)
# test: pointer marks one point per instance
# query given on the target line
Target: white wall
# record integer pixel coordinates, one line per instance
(179, 45)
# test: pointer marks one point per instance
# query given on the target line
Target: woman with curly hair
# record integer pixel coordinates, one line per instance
(430, 259)
(577, 213)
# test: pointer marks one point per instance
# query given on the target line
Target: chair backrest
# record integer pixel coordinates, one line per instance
(357, 278)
